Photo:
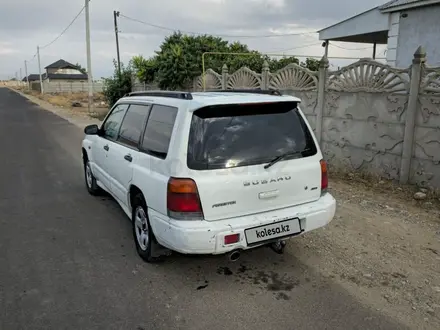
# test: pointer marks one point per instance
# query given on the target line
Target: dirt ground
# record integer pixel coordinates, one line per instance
(383, 245)
(61, 104)
(66, 101)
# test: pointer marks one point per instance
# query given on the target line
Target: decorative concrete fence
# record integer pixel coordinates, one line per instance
(139, 87)
(367, 116)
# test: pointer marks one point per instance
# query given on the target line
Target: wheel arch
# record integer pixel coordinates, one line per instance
(133, 191)
(85, 156)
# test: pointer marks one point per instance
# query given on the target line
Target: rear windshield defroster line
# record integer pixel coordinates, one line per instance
(227, 136)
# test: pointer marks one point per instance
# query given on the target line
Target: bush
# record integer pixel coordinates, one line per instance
(179, 60)
(117, 86)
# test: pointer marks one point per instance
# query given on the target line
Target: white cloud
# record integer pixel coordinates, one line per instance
(6, 49)
(25, 24)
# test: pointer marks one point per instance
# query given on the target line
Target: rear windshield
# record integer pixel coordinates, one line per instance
(229, 136)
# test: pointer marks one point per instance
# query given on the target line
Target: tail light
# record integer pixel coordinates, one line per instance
(324, 176)
(183, 201)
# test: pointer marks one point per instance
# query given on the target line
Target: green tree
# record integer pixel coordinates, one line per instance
(311, 64)
(145, 69)
(278, 64)
(116, 87)
(179, 60)
(80, 68)
(254, 60)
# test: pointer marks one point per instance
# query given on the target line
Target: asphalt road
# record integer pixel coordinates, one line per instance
(67, 259)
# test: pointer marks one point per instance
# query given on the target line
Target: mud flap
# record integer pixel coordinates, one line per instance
(158, 251)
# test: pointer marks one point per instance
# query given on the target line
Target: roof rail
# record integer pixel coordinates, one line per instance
(171, 94)
(250, 91)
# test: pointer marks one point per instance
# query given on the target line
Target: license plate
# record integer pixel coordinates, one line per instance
(273, 230)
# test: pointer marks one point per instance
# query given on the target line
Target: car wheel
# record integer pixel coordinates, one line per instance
(142, 233)
(92, 186)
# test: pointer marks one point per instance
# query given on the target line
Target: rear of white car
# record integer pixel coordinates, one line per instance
(251, 173)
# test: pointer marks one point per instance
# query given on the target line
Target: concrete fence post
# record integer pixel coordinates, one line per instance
(265, 75)
(225, 74)
(323, 66)
(195, 86)
(134, 83)
(411, 114)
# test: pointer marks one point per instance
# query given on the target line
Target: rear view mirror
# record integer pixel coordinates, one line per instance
(91, 129)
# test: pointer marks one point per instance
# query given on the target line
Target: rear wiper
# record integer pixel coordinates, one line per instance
(284, 156)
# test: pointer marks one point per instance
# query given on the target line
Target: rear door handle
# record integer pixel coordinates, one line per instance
(106, 147)
(128, 158)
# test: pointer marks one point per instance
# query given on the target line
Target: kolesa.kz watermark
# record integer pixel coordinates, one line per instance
(274, 231)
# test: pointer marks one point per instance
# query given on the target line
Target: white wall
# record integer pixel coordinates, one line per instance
(12, 83)
(66, 81)
(420, 28)
(68, 71)
(64, 71)
(67, 87)
(393, 38)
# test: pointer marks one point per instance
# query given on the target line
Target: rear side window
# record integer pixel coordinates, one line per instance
(133, 124)
(229, 136)
(158, 132)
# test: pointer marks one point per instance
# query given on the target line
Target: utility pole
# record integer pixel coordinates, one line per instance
(115, 17)
(89, 60)
(39, 70)
(25, 72)
(21, 75)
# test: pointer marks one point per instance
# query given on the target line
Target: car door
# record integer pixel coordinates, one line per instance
(124, 152)
(153, 153)
(108, 133)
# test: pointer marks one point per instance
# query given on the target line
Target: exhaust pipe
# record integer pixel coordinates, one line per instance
(234, 255)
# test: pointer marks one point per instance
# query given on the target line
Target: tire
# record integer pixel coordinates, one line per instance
(91, 185)
(142, 232)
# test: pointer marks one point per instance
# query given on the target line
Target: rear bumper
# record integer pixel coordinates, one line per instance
(207, 237)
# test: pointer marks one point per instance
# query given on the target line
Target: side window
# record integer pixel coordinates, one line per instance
(111, 126)
(159, 129)
(133, 124)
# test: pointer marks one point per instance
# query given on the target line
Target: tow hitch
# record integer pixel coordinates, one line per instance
(278, 246)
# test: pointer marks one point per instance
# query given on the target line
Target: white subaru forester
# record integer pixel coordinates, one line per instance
(209, 172)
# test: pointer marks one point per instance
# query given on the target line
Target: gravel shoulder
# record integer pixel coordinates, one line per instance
(78, 116)
(383, 246)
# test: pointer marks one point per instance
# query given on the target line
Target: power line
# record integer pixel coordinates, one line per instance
(33, 57)
(73, 21)
(289, 49)
(215, 35)
(64, 31)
